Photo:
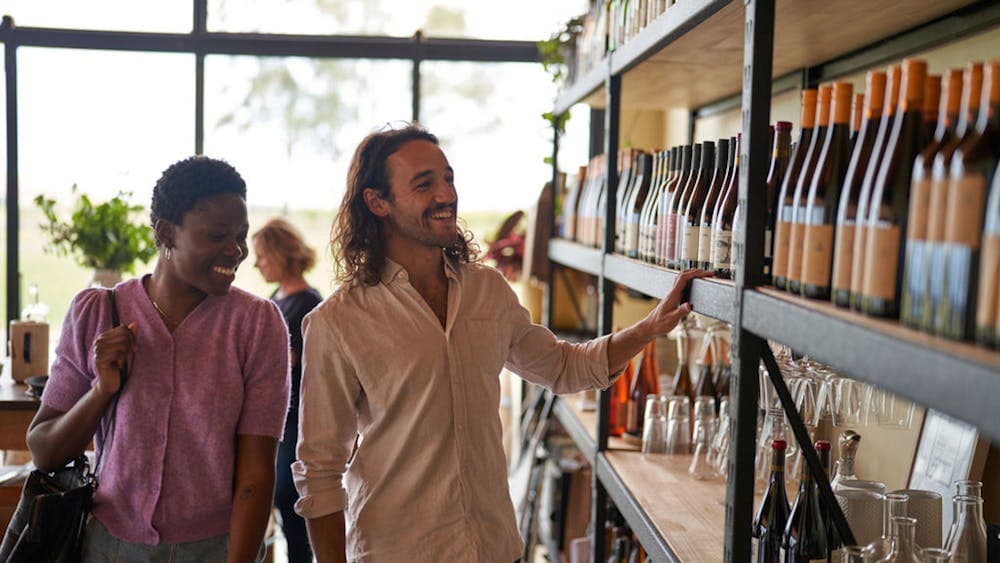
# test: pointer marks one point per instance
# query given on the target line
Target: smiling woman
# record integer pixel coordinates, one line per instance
(207, 372)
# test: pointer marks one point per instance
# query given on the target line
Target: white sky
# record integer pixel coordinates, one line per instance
(111, 120)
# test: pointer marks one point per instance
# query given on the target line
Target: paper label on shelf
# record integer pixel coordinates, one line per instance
(843, 256)
(989, 282)
(881, 261)
(817, 255)
(795, 241)
(691, 235)
(858, 263)
(920, 196)
(966, 200)
(705, 245)
(782, 236)
(720, 250)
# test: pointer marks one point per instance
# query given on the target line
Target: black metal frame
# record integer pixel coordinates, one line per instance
(756, 315)
(201, 42)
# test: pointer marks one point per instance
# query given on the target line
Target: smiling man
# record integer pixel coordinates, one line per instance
(400, 393)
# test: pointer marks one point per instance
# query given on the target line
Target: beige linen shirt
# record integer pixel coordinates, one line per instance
(428, 480)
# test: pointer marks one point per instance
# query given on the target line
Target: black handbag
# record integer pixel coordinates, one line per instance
(54, 507)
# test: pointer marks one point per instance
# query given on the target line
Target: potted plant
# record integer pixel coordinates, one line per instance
(102, 236)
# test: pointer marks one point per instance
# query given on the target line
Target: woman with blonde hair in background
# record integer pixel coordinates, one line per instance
(283, 257)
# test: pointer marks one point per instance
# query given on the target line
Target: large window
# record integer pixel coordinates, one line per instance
(528, 20)
(290, 126)
(102, 121)
(112, 15)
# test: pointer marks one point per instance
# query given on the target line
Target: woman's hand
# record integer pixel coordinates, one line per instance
(673, 308)
(113, 350)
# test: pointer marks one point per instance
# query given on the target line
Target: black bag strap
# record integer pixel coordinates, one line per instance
(108, 421)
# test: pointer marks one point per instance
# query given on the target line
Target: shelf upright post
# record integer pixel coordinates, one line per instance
(612, 116)
(199, 30)
(758, 49)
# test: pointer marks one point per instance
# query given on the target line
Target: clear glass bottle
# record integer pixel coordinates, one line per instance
(935, 555)
(903, 548)
(968, 542)
(856, 554)
(893, 506)
(963, 488)
(844, 470)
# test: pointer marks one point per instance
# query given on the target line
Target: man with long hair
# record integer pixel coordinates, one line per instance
(400, 389)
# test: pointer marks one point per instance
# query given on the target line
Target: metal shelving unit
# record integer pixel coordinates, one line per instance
(691, 57)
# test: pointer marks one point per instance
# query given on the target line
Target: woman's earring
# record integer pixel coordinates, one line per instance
(166, 253)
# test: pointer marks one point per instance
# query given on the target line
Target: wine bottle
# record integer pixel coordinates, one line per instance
(706, 371)
(722, 232)
(772, 514)
(843, 251)
(569, 205)
(887, 213)
(824, 197)
(932, 104)
(871, 172)
(643, 179)
(916, 274)
(638, 389)
(794, 273)
(988, 300)
(582, 207)
(618, 412)
(806, 536)
(972, 169)
(857, 116)
(663, 206)
(682, 385)
(692, 210)
(601, 211)
(783, 226)
(646, 218)
(780, 148)
(626, 182)
(680, 207)
(704, 260)
(932, 319)
(848, 442)
(691, 160)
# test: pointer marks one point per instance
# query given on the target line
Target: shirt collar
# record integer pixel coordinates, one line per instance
(393, 271)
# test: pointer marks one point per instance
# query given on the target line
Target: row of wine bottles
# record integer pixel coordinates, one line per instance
(902, 222)
(622, 544)
(884, 204)
(608, 25)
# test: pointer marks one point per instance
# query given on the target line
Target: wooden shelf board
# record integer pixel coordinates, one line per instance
(924, 368)
(576, 256)
(688, 514)
(712, 296)
(699, 68)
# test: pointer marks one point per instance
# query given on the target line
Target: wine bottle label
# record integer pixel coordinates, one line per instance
(938, 202)
(795, 252)
(920, 196)
(989, 282)
(670, 244)
(814, 215)
(817, 255)
(858, 263)
(720, 250)
(705, 245)
(768, 249)
(690, 248)
(843, 256)
(782, 236)
(632, 235)
(881, 261)
(966, 198)
(956, 293)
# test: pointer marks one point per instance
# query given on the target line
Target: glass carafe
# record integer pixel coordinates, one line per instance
(903, 548)
(856, 554)
(968, 542)
(962, 489)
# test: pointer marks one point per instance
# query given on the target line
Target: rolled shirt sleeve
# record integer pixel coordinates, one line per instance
(327, 420)
(537, 355)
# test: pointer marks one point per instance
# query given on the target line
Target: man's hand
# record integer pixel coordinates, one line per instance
(674, 307)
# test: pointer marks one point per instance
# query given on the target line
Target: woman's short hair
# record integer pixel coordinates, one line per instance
(187, 181)
(284, 245)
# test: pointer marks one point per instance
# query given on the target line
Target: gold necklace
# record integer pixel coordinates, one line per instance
(165, 316)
